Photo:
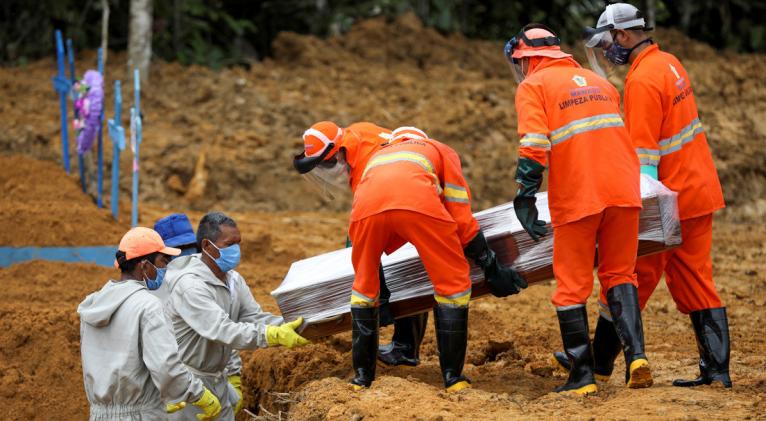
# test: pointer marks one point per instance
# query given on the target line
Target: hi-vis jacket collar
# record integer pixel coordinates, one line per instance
(407, 132)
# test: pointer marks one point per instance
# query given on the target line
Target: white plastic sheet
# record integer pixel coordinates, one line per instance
(319, 288)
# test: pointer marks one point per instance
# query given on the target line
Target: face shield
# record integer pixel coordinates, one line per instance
(514, 63)
(330, 177)
(596, 41)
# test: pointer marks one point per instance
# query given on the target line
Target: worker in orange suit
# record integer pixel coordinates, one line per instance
(661, 116)
(569, 119)
(413, 190)
(359, 141)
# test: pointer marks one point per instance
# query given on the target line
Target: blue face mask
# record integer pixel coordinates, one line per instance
(155, 283)
(229, 257)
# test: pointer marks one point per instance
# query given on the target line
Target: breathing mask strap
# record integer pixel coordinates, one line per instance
(648, 40)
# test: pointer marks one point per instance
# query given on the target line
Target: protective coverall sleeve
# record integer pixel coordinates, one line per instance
(159, 352)
(234, 365)
(457, 196)
(643, 117)
(532, 124)
(251, 312)
(198, 308)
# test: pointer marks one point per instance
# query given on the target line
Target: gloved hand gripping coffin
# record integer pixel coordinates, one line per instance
(318, 288)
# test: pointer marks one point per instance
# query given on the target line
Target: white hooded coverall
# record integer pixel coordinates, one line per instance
(130, 357)
(211, 320)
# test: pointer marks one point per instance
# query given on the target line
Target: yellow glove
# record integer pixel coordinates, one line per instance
(173, 407)
(209, 405)
(236, 383)
(285, 334)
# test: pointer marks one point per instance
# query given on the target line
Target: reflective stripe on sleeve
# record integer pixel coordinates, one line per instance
(535, 140)
(678, 140)
(600, 121)
(648, 156)
(455, 193)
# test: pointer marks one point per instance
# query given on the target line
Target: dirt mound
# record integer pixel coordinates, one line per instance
(40, 369)
(226, 139)
(42, 206)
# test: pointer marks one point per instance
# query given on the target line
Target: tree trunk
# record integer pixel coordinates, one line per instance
(140, 37)
(104, 31)
(651, 13)
(687, 8)
(177, 10)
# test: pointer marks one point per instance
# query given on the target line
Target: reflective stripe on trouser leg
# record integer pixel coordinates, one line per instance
(359, 300)
(574, 251)
(457, 300)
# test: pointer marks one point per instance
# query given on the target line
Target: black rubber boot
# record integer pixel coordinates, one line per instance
(385, 317)
(711, 327)
(452, 340)
(364, 344)
(626, 317)
(574, 334)
(606, 348)
(404, 348)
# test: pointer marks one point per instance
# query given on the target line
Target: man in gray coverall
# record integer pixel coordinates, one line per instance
(213, 313)
(130, 358)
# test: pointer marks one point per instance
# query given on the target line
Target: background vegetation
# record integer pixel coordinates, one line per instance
(227, 32)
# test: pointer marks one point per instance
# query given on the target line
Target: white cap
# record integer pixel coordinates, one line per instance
(617, 16)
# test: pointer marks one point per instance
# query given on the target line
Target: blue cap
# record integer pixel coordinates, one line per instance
(176, 230)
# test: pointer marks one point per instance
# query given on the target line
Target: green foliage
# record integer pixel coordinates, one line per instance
(220, 33)
(202, 32)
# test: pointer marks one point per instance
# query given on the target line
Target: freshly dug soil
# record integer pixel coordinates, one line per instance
(509, 347)
(509, 344)
(42, 206)
(226, 139)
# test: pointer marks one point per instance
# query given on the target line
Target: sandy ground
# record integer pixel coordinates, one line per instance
(508, 353)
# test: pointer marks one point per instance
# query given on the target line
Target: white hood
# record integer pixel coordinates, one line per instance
(97, 308)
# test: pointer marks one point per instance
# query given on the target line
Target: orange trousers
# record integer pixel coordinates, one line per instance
(688, 269)
(436, 241)
(615, 229)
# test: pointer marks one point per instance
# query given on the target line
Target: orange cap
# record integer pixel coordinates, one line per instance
(141, 241)
(407, 132)
(320, 136)
(524, 50)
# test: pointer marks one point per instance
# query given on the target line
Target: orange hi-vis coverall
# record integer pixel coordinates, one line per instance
(360, 141)
(413, 191)
(662, 118)
(573, 115)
